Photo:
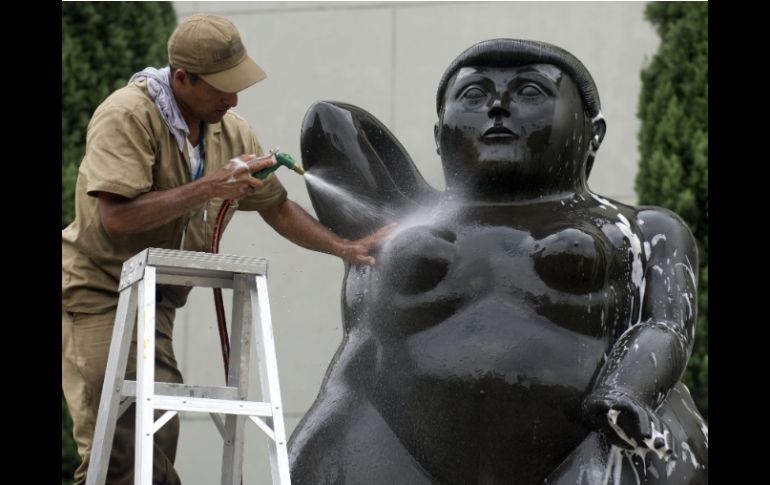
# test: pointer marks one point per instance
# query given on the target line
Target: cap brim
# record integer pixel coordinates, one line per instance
(236, 78)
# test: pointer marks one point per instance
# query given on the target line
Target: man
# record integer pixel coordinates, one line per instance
(162, 155)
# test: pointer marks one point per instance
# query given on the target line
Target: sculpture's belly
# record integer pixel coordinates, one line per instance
(505, 340)
(494, 392)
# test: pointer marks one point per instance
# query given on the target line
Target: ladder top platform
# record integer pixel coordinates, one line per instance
(193, 263)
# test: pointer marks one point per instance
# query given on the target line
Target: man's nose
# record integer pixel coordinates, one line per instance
(500, 107)
(231, 99)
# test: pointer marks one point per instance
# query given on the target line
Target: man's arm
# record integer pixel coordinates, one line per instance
(295, 224)
(122, 217)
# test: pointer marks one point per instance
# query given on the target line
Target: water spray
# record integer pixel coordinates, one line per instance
(282, 159)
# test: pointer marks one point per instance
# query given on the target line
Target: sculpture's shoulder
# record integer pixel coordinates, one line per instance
(647, 220)
(656, 222)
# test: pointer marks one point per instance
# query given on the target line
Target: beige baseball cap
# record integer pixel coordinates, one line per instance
(211, 47)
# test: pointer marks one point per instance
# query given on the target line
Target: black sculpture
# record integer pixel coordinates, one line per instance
(517, 329)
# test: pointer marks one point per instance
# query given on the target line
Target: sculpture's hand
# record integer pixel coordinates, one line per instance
(629, 423)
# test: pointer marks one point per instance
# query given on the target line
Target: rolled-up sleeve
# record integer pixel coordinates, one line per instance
(119, 156)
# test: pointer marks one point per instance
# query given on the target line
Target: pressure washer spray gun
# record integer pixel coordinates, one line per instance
(281, 159)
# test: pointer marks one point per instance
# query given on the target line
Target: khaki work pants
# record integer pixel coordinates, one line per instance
(85, 347)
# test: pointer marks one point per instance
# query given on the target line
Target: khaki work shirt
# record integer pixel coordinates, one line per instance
(130, 151)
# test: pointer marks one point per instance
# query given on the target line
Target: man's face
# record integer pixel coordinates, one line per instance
(525, 120)
(202, 101)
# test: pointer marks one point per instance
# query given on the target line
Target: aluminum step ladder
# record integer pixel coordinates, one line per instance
(251, 315)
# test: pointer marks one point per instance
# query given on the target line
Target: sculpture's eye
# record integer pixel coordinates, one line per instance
(473, 94)
(530, 91)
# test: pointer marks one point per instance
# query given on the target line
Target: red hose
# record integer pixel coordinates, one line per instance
(224, 339)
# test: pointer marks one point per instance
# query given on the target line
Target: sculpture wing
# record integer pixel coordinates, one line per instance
(360, 177)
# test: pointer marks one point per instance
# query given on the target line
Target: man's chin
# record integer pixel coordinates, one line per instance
(216, 118)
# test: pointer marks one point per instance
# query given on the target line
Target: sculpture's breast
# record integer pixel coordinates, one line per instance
(571, 261)
(430, 274)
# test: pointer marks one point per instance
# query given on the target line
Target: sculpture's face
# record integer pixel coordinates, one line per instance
(526, 121)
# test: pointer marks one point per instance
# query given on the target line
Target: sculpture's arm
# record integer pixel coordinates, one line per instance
(360, 177)
(650, 357)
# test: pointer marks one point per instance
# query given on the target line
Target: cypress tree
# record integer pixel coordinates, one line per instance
(103, 43)
(673, 144)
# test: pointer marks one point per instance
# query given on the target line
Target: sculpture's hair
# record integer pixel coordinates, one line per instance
(515, 52)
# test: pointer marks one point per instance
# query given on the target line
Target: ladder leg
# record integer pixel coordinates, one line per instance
(238, 376)
(114, 374)
(145, 380)
(268, 370)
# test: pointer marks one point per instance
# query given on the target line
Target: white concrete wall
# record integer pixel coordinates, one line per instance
(386, 57)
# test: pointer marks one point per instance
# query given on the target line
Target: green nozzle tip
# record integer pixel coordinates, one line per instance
(289, 162)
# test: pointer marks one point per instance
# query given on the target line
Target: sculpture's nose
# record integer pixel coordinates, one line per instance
(500, 108)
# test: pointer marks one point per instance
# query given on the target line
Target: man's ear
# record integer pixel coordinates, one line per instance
(436, 137)
(598, 130)
(179, 76)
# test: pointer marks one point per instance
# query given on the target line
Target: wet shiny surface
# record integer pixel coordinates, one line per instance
(506, 315)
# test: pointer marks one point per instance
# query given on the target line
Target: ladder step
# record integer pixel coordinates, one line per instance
(184, 390)
(203, 405)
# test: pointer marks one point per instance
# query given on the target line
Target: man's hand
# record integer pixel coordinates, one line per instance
(357, 252)
(234, 180)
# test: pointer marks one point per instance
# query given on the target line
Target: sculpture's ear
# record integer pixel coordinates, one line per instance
(436, 138)
(360, 177)
(598, 130)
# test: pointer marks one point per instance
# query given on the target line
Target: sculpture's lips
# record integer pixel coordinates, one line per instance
(499, 131)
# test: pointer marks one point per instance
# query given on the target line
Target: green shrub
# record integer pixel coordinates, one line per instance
(673, 143)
